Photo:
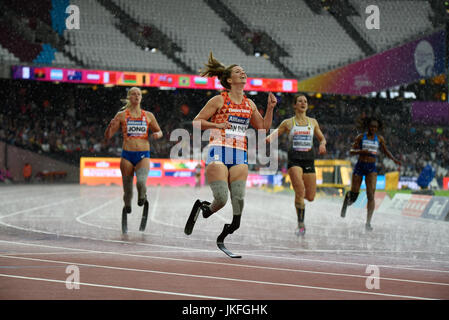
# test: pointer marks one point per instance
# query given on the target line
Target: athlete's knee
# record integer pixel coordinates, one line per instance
(370, 196)
(220, 193)
(310, 197)
(238, 189)
(141, 177)
(299, 193)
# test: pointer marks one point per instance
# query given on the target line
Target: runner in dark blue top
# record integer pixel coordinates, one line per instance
(366, 146)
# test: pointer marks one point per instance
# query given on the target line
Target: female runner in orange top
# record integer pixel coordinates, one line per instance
(228, 115)
(135, 123)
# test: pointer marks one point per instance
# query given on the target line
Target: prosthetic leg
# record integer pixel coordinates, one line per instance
(126, 210)
(220, 192)
(127, 197)
(197, 206)
(228, 229)
(350, 198)
(143, 222)
(237, 198)
(141, 177)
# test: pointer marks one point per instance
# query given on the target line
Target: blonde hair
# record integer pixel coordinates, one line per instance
(128, 103)
(216, 68)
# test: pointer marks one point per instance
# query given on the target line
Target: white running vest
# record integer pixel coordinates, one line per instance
(301, 140)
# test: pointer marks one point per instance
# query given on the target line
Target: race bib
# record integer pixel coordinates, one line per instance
(370, 145)
(302, 141)
(136, 128)
(239, 126)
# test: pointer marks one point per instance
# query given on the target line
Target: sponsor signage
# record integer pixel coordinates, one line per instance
(437, 208)
(416, 205)
(106, 171)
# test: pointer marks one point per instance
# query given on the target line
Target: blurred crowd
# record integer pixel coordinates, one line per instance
(68, 121)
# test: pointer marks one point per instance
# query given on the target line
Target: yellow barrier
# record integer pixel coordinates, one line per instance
(391, 180)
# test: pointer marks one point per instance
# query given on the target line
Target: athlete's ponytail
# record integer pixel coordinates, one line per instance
(216, 68)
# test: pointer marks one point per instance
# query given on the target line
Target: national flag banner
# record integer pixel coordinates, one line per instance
(56, 74)
(287, 85)
(39, 73)
(93, 76)
(129, 78)
(166, 79)
(184, 81)
(74, 75)
(256, 82)
(26, 73)
(200, 80)
(272, 85)
(217, 84)
(112, 77)
(146, 79)
(105, 77)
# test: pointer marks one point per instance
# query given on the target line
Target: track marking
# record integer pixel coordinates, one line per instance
(205, 250)
(229, 279)
(251, 253)
(117, 287)
(78, 218)
(227, 264)
(39, 207)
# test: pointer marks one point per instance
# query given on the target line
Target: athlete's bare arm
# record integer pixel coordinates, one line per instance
(284, 127)
(154, 126)
(202, 122)
(113, 126)
(387, 152)
(320, 136)
(259, 122)
(355, 149)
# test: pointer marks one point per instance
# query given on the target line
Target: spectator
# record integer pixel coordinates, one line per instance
(6, 176)
(27, 172)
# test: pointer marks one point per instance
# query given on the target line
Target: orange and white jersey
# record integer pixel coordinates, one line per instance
(238, 116)
(135, 128)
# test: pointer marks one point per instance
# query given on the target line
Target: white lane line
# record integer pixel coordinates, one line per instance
(117, 287)
(230, 279)
(28, 198)
(37, 208)
(79, 218)
(155, 203)
(237, 265)
(248, 266)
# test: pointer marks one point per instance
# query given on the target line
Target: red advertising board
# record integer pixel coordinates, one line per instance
(165, 172)
(446, 183)
(416, 205)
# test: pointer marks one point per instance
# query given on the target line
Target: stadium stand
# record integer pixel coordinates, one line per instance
(202, 32)
(302, 40)
(315, 42)
(400, 22)
(99, 43)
